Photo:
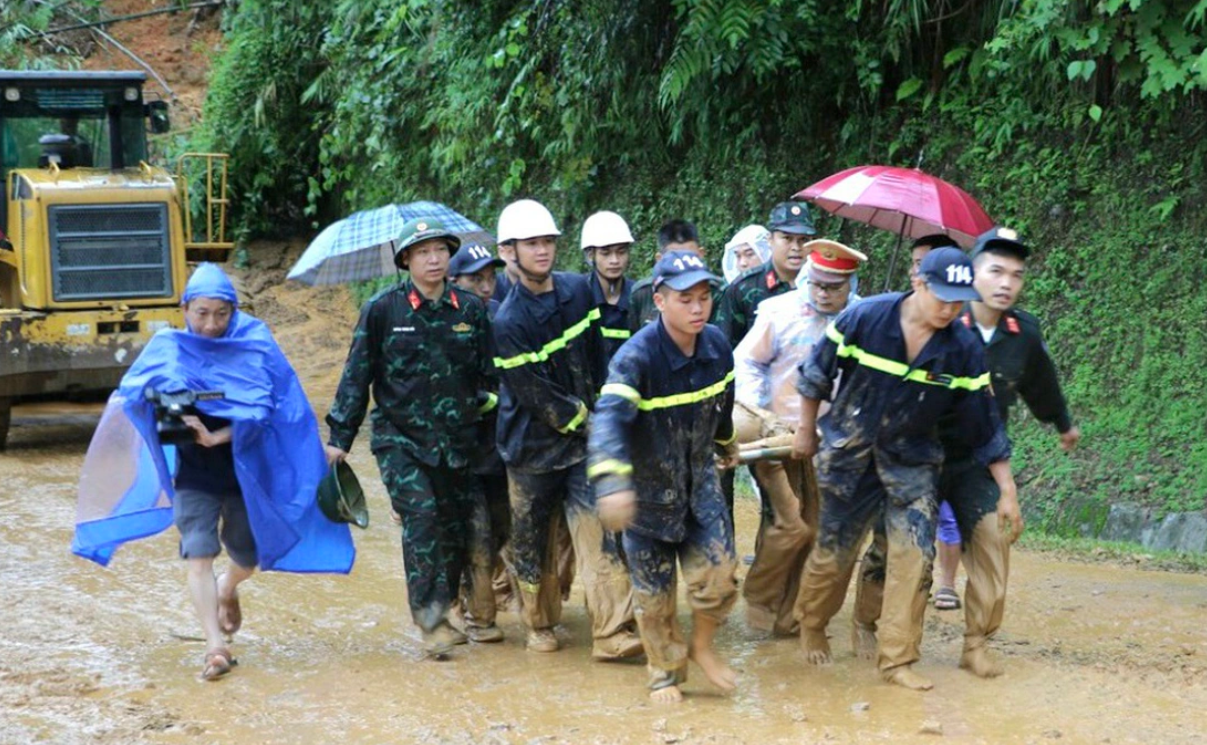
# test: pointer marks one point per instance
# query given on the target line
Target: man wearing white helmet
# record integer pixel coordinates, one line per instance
(606, 241)
(552, 363)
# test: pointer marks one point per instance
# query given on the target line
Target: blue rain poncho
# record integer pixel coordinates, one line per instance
(126, 483)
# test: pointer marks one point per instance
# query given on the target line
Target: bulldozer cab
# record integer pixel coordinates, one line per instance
(73, 120)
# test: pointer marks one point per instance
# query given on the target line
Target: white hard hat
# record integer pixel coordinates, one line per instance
(524, 219)
(605, 229)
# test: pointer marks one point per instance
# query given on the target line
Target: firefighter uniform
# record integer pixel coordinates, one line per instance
(551, 361)
(1019, 365)
(428, 366)
(880, 452)
(656, 426)
(613, 319)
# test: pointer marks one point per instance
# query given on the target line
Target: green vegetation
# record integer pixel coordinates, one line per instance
(1078, 123)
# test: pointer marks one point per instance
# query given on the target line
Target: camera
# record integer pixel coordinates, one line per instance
(170, 410)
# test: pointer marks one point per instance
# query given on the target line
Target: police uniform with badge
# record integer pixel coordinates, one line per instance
(737, 306)
(427, 364)
(657, 425)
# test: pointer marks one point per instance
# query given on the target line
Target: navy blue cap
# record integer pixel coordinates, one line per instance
(682, 270)
(948, 273)
(1001, 239)
(471, 259)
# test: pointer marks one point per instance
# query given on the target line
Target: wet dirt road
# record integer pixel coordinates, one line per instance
(1095, 653)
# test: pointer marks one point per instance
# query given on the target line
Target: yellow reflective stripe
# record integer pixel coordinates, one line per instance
(902, 370)
(610, 467)
(732, 437)
(627, 392)
(578, 419)
(491, 402)
(615, 333)
(666, 402)
(556, 345)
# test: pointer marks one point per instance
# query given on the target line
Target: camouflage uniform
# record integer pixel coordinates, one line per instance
(428, 364)
(734, 314)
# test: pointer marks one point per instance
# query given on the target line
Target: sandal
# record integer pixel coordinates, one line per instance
(947, 599)
(218, 662)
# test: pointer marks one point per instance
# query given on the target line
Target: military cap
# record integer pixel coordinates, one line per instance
(792, 217)
(422, 229)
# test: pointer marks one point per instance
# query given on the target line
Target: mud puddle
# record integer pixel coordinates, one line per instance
(1094, 654)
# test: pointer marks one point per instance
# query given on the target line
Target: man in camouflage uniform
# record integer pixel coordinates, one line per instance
(423, 348)
(791, 228)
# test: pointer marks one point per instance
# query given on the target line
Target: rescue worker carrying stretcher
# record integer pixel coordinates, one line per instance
(551, 360)
(904, 366)
(665, 409)
(767, 362)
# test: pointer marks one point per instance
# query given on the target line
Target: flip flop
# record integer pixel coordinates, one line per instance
(947, 599)
(218, 662)
(230, 615)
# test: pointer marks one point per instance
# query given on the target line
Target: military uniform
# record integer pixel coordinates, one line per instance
(551, 360)
(428, 365)
(654, 431)
(880, 452)
(735, 311)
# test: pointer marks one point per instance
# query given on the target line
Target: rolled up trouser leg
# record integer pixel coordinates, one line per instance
(536, 510)
(653, 573)
(851, 497)
(910, 511)
(605, 578)
(709, 564)
(773, 581)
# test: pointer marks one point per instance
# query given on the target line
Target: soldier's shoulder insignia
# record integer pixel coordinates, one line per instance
(461, 328)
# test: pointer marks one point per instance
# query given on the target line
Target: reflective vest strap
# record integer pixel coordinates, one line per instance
(556, 345)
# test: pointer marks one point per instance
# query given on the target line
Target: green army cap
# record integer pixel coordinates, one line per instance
(341, 497)
(423, 229)
(792, 217)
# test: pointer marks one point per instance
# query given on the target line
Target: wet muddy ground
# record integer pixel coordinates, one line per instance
(1095, 653)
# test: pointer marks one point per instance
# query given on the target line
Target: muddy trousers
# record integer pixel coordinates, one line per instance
(854, 492)
(539, 503)
(789, 489)
(706, 556)
(490, 523)
(435, 505)
(972, 493)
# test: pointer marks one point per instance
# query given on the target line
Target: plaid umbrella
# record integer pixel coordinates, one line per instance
(361, 246)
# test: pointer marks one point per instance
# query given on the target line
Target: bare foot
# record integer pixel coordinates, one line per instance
(816, 646)
(863, 640)
(905, 676)
(981, 663)
(668, 695)
(721, 675)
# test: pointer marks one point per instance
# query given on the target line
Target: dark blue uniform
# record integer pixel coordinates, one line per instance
(614, 319)
(551, 361)
(881, 451)
(654, 431)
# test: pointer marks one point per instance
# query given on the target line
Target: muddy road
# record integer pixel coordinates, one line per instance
(1095, 653)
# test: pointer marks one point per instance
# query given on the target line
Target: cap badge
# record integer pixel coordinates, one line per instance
(421, 227)
(461, 328)
(829, 253)
(796, 210)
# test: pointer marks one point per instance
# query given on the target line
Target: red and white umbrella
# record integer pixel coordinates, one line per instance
(906, 201)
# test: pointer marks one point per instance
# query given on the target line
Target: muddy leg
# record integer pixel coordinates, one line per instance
(652, 567)
(773, 582)
(709, 566)
(988, 564)
(869, 595)
(536, 514)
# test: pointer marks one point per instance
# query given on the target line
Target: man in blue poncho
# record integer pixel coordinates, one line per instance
(244, 477)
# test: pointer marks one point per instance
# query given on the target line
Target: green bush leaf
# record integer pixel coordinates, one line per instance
(908, 88)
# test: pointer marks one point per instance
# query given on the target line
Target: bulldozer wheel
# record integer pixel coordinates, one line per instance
(6, 418)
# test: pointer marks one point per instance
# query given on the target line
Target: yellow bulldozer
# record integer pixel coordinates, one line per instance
(94, 242)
